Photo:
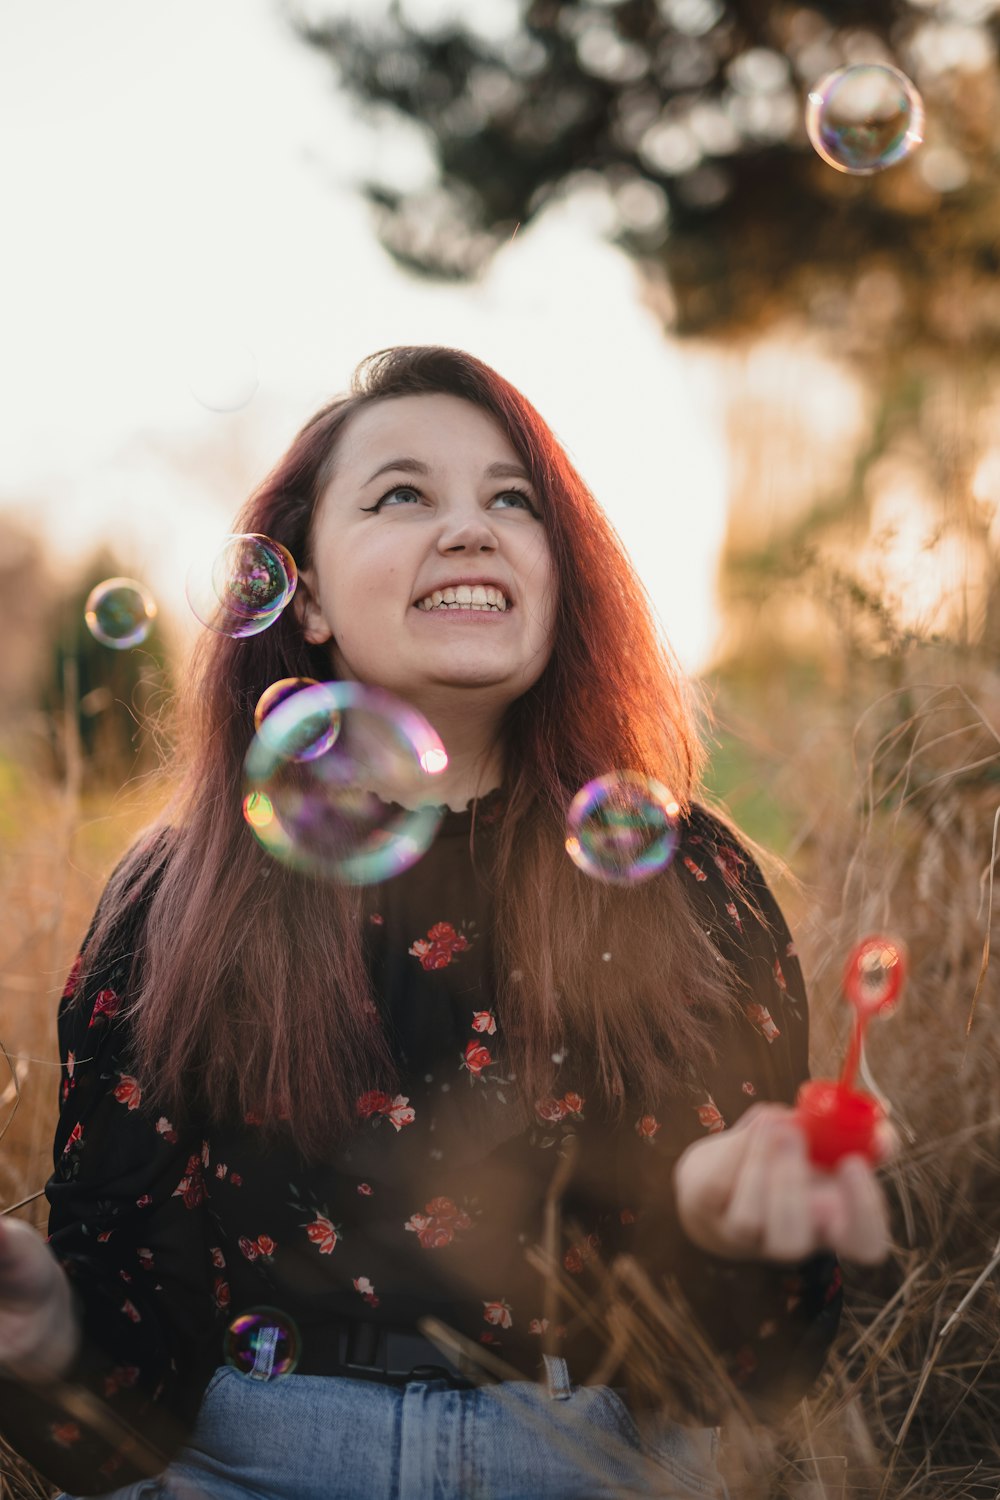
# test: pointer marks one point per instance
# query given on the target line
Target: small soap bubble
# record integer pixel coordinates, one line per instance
(120, 612)
(318, 730)
(864, 118)
(622, 828)
(262, 1344)
(221, 372)
(242, 587)
(363, 808)
(874, 975)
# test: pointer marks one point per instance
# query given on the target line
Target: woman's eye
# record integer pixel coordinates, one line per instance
(401, 489)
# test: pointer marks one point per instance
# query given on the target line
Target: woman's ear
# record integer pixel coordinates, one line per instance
(308, 612)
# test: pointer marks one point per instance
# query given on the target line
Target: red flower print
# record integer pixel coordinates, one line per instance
(106, 1004)
(164, 1128)
(71, 978)
(476, 1057)
(365, 1189)
(767, 1329)
(323, 1234)
(128, 1092)
(779, 975)
(488, 1337)
(235, 1179)
(484, 1020)
(192, 1185)
(253, 1117)
(709, 1116)
(436, 1226)
(220, 1170)
(435, 956)
(75, 1136)
(551, 1111)
(627, 1216)
(791, 951)
(218, 1259)
(760, 1016)
(362, 1285)
(646, 1127)
(748, 1088)
(248, 1247)
(436, 950)
(145, 1258)
(220, 1291)
(577, 1255)
(64, 1433)
(266, 1246)
(742, 1364)
(104, 1236)
(695, 870)
(124, 1275)
(498, 1313)
(376, 919)
(400, 1112)
(375, 1102)
(444, 932)
(573, 1103)
(538, 1325)
(731, 864)
(734, 914)
(70, 1062)
(131, 1311)
(836, 1282)
(121, 1377)
(144, 1200)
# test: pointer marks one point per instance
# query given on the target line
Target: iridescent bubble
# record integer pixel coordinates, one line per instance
(318, 731)
(221, 372)
(622, 828)
(242, 588)
(262, 1343)
(363, 809)
(120, 612)
(874, 975)
(864, 118)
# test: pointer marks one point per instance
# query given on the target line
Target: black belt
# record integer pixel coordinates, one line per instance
(394, 1356)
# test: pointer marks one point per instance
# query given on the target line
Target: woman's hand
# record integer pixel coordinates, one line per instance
(39, 1336)
(751, 1193)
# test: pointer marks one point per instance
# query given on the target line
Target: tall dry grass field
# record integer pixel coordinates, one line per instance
(892, 796)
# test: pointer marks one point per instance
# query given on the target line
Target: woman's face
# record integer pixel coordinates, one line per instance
(425, 500)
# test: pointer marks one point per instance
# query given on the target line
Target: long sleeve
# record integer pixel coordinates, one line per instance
(770, 1325)
(127, 1208)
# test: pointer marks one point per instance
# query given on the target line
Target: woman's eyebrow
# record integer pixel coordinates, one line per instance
(501, 469)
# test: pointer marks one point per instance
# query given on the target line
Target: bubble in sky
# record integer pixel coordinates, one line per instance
(221, 372)
(364, 809)
(864, 118)
(319, 730)
(120, 612)
(243, 586)
(622, 828)
(874, 975)
(262, 1343)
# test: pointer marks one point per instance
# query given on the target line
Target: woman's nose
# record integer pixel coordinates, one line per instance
(472, 533)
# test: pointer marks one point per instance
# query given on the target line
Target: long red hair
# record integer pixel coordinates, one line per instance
(250, 989)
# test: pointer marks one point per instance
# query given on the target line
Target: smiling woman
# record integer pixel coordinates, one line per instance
(305, 1124)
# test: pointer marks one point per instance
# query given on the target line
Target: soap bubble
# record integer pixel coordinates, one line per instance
(242, 588)
(361, 811)
(874, 975)
(622, 828)
(864, 118)
(319, 730)
(120, 612)
(262, 1343)
(221, 372)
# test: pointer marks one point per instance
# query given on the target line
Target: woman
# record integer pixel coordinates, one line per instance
(491, 1096)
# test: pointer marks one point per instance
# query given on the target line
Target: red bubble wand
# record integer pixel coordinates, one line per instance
(837, 1118)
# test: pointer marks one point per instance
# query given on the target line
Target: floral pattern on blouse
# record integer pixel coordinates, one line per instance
(168, 1229)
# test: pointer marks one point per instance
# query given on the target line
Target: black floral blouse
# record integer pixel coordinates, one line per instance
(430, 1207)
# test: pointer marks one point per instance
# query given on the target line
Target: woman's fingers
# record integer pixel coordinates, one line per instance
(768, 1212)
(864, 1234)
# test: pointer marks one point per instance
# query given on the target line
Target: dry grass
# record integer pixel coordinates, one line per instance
(903, 835)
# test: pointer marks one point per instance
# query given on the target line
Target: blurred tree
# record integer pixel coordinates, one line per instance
(688, 115)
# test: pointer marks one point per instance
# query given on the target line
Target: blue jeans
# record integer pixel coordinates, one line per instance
(316, 1437)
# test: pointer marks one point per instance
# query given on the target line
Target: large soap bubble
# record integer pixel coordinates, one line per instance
(864, 118)
(318, 731)
(262, 1344)
(242, 587)
(363, 810)
(120, 612)
(622, 828)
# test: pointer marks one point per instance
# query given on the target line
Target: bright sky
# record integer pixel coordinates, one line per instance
(175, 170)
